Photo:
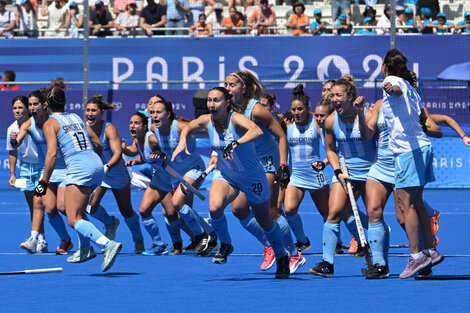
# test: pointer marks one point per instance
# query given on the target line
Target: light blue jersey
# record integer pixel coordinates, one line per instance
(359, 155)
(267, 149)
(304, 145)
(189, 165)
(244, 171)
(59, 174)
(84, 166)
(118, 176)
(383, 169)
(160, 178)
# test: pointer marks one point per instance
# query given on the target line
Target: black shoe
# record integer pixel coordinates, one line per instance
(339, 249)
(177, 248)
(211, 246)
(376, 272)
(360, 252)
(191, 246)
(202, 242)
(303, 246)
(221, 256)
(424, 273)
(283, 269)
(324, 269)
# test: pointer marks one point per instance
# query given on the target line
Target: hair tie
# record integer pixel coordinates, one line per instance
(243, 82)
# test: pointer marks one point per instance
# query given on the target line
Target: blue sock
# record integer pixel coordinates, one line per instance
(295, 223)
(174, 230)
(191, 220)
(377, 232)
(252, 226)
(205, 225)
(83, 241)
(352, 227)
(102, 216)
(221, 229)
(58, 224)
(151, 226)
(428, 208)
(134, 226)
(88, 230)
(330, 239)
(287, 235)
(274, 236)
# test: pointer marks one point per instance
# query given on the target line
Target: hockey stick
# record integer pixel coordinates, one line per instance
(360, 229)
(181, 179)
(35, 271)
(198, 182)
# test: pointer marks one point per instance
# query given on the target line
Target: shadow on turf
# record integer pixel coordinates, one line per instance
(111, 274)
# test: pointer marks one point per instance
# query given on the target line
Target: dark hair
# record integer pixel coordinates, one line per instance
(326, 103)
(227, 96)
(347, 82)
(254, 88)
(271, 98)
(329, 81)
(200, 15)
(102, 105)
(41, 94)
(22, 99)
(10, 75)
(144, 118)
(56, 96)
(169, 108)
(299, 95)
(395, 64)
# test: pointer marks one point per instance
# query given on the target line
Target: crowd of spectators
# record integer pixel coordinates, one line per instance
(206, 18)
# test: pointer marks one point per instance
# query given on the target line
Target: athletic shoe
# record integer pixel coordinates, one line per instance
(202, 241)
(435, 241)
(324, 269)
(109, 254)
(269, 259)
(29, 245)
(339, 249)
(360, 252)
(139, 247)
(110, 231)
(42, 247)
(436, 257)
(221, 256)
(64, 247)
(82, 255)
(211, 245)
(283, 268)
(353, 246)
(424, 273)
(435, 222)
(422, 263)
(303, 246)
(296, 262)
(177, 248)
(376, 272)
(191, 246)
(156, 250)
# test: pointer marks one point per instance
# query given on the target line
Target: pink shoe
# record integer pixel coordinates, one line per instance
(296, 262)
(424, 262)
(269, 258)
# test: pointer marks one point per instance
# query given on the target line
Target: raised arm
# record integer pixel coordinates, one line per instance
(367, 119)
(444, 119)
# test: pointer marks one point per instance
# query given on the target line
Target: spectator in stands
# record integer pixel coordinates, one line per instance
(153, 16)
(205, 29)
(92, 4)
(120, 6)
(26, 19)
(9, 76)
(424, 21)
(433, 5)
(409, 21)
(343, 25)
(339, 7)
(367, 31)
(127, 22)
(101, 21)
(371, 13)
(299, 20)
(464, 26)
(233, 20)
(176, 11)
(242, 17)
(74, 20)
(57, 18)
(243, 3)
(442, 26)
(197, 7)
(7, 21)
(383, 24)
(318, 27)
(217, 18)
(262, 18)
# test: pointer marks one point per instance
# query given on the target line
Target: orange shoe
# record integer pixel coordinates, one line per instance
(435, 223)
(435, 241)
(353, 246)
(64, 247)
(269, 258)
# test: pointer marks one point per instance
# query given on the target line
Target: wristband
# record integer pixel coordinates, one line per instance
(337, 172)
(214, 154)
(465, 135)
(283, 164)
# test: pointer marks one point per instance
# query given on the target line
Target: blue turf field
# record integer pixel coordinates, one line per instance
(187, 283)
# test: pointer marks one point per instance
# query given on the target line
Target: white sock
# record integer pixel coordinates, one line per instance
(416, 255)
(42, 237)
(34, 234)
